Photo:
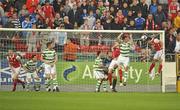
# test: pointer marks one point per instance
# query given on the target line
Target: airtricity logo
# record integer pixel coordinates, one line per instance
(134, 74)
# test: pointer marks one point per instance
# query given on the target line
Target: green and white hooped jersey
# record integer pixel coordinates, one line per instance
(125, 49)
(49, 55)
(31, 66)
(98, 62)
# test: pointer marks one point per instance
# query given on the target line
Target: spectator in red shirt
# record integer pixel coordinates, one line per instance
(40, 12)
(31, 5)
(48, 10)
(11, 12)
(120, 16)
(173, 8)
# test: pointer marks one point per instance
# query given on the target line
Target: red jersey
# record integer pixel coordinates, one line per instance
(49, 11)
(157, 46)
(115, 52)
(173, 8)
(31, 5)
(120, 18)
(13, 61)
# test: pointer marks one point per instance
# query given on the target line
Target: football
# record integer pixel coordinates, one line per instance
(144, 37)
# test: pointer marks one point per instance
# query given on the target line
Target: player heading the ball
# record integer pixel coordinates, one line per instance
(157, 45)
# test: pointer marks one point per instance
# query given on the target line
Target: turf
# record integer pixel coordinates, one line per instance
(88, 101)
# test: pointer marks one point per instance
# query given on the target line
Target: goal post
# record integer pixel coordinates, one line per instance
(75, 64)
(178, 73)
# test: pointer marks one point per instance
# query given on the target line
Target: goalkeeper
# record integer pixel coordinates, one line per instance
(32, 73)
(99, 72)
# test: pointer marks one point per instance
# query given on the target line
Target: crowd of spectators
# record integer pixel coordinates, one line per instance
(95, 15)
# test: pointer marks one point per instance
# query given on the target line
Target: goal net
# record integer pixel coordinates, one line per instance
(76, 50)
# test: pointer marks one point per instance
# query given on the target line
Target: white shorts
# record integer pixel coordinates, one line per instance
(100, 75)
(48, 69)
(158, 55)
(31, 75)
(112, 64)
(16, 71)
(124, 61)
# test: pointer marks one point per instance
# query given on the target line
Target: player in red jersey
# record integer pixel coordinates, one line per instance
(15, 65)
(113, 65)
(157, 45)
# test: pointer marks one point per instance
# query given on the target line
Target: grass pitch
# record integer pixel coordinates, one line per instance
(88, 101)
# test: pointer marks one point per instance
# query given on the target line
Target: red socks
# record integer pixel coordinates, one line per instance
(120, 74)
(151, 67)
(110, 78)
(160, 68)
(19, 81)
(14, 84)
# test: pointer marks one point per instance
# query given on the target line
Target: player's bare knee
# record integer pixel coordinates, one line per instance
(110, 71)
(37, 78)
(114, 77)
(47, 77)
(154, 61)
(28, 79)
(53, 76)
(126, 68)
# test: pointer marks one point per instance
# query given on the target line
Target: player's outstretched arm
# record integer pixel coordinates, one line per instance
(131, 41)
(116, 44)
(120, 36)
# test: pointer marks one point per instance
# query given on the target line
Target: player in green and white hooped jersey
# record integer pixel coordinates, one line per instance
(31, 73)
(98, 70)
(126, 45)
(49, 57)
